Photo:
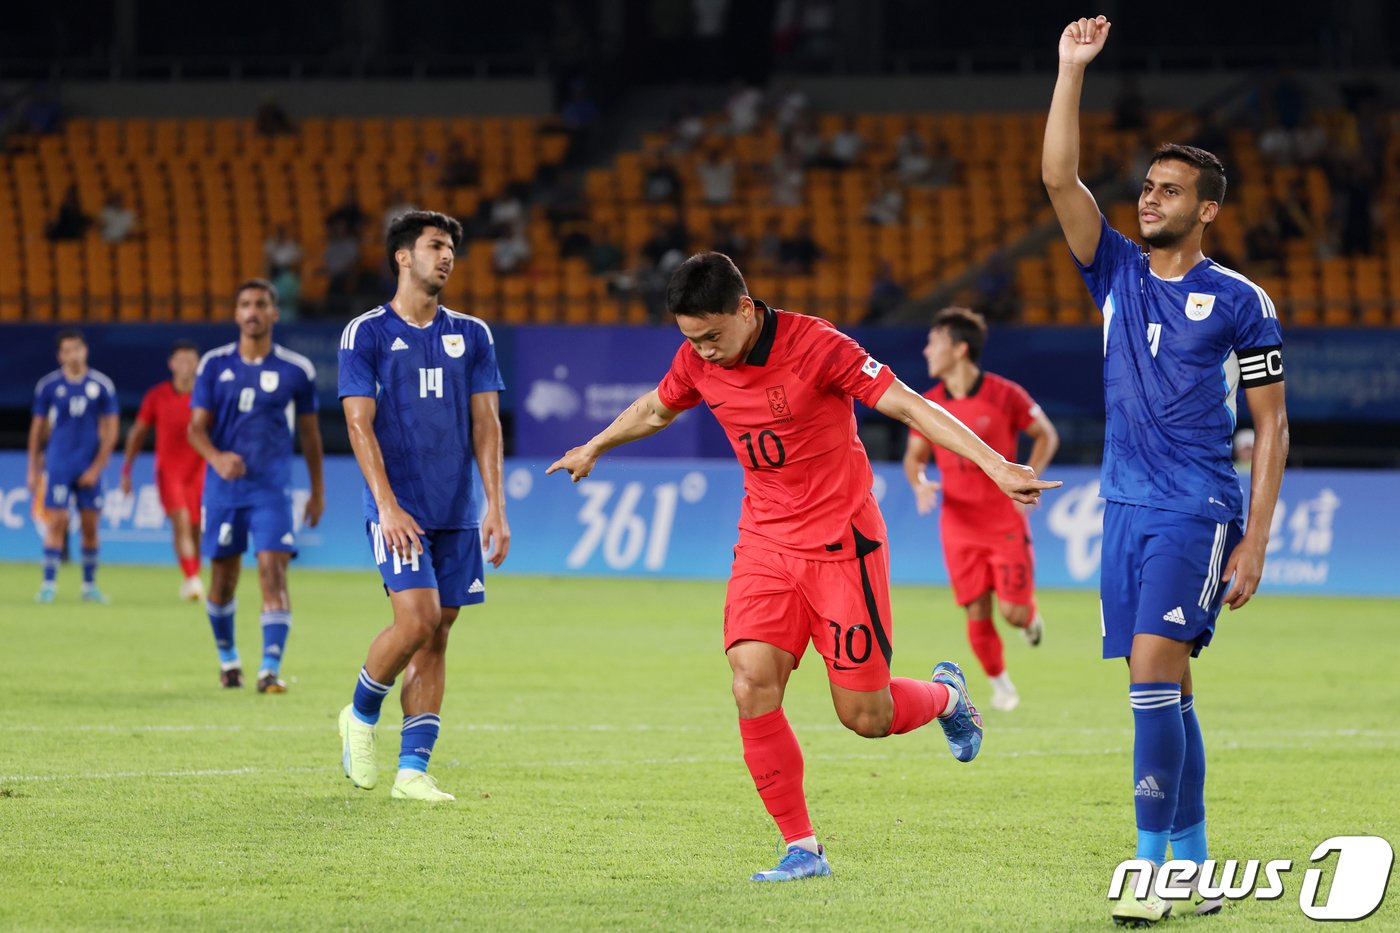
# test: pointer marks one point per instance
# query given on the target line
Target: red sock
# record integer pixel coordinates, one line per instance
(775, 761)
(916, 703)
(986, 644)
(189, 566)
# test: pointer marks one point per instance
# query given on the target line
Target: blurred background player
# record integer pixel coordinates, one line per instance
(179, 469)
(811, 563)
(239, 424)
(986, 536)
(1181, 334)
(421, 391)
(71, 437)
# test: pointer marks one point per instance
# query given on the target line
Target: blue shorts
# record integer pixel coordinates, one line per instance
(226, 530)
(1161, 575)
(451, 563)
(61, 491)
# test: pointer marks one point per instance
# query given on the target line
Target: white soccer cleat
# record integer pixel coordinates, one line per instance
(192, 590)
(419, 786)
(1034, 632)
(1005, 700)
(358, 742)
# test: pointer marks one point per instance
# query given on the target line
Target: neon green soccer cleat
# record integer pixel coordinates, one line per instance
(1130, 911)
(421, 786)
(357, 750)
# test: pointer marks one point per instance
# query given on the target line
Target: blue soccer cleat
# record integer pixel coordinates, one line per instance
(964, 726)
(798, 863)
(46, 593)
(92, 594)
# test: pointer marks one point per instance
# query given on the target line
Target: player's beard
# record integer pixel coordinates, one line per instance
(430, 287)
(1169, 235)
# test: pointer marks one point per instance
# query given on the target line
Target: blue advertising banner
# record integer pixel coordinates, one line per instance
(677, 518)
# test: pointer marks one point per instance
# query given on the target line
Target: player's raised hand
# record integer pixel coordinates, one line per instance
(1083, 40)
(495, 534)
(1244, 570)
(1018, 481)
(926, 495)
(228, 465)
(400, 531)
(578, 461)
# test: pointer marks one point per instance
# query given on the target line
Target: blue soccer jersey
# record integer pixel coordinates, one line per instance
(74, 411)
(251, 408)
(422, 380)
(1175, 353)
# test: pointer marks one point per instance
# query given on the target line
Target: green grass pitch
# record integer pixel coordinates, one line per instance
(589, 736)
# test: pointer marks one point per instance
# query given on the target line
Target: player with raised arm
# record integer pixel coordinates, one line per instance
(1181, 335)
(421, 391)
(71, 438)
(811, 563)
(179, 469)
(245, 394)
(986, 537)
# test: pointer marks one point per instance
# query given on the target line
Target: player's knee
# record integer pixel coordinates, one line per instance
(1017, 614)
(867, 723)
(755, 696)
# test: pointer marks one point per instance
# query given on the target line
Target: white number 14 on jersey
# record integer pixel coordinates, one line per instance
(430, 381)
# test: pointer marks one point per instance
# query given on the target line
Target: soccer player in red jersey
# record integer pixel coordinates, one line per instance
(179, 469)
(986, 538)
(811, 563)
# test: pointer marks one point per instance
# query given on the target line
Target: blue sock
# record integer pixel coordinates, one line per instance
(369, 696)
(416, 741)
(221, 621)
(275, 625)
(89, 566)
(52, 556)
(1159, 747)
(1189, 824)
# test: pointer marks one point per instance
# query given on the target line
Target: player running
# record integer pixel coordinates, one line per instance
(1181, 334)
(811, 563)
(986, 537)
(179, 470)
(71, 438)
(244, 394)
(421, 392)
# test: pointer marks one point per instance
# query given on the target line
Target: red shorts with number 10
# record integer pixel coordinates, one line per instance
(980, 561)
(841, 607)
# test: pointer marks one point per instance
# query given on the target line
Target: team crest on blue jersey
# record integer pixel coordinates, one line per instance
(1198, 306)
(454, 344)
(61, 391)
(92, 390)
(268, 380)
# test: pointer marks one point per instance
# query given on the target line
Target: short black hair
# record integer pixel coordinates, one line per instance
(182, 344)
(1210, 184)
(68, 333)
(264, 284)
(964, 326)
(706, 283)
(406, 228)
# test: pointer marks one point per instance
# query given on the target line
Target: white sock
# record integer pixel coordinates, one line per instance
(806, 842)
(404, 774)
(1002, 682)
(952, 704)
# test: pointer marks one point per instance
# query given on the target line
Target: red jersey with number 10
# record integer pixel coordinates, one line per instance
(997, 410)
(787, 412)
(169, 412)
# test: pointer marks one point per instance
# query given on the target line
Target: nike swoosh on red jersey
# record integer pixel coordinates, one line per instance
(716, 405)
(843, 667)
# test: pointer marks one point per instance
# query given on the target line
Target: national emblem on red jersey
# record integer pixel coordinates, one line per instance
(777, 401)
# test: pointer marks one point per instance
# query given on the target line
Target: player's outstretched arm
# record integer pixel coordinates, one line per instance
(38, 437)
(135, 440)
(227, 464)
(1246, 564)
(400, 530)
(490, 462)
(642, 418)
(1080, 43)
(916, 457)
(932, 421)
(107, 430)
(309, 431)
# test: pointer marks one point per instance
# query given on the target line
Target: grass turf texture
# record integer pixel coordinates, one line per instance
(591, 742)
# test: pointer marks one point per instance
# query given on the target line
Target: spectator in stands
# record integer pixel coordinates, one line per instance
(725, 238)
(399, 203)
(562, 195)
(280, 251)
(348, 213)
(288, 285)
(996, 288)
(744, 108)
(604, 253)
(116, 220)
(787, 178)
(666, 249)
(943, 166)
(806, 143)
(799, 252)
(716, 178)
(459, 170)
(272, 120)
(846, 145)
(340, 262)
(687, 126)
(1355, 197)
(1264, 247)
(1129, 109)
(660, 184)
(912, 163)
(886, 206)
(789, 108)
(508, 211)
(511, 252)
(768, 254)
(574, 241)
(71, 223)
(886, 294)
